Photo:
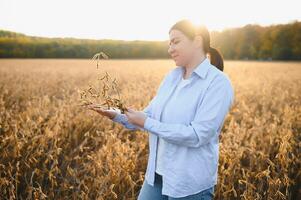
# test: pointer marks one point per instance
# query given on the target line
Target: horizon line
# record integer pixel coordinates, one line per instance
(146, 40)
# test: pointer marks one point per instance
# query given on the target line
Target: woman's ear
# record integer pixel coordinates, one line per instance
(198, 42)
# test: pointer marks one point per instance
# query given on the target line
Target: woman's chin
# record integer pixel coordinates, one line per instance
(177, 63)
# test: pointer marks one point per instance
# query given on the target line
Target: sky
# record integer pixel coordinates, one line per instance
(137, 19)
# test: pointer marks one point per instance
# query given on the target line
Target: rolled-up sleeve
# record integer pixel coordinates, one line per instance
(210, 115)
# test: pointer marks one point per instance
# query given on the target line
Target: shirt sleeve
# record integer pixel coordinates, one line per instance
(209, 117)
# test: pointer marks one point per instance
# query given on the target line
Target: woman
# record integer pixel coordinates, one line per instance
(184, 119)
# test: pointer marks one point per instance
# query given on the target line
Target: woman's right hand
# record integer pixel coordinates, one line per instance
(108, 113)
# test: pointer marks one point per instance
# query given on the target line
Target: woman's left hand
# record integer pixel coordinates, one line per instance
(136, 117)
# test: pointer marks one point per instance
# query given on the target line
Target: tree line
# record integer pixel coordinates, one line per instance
(251, 42)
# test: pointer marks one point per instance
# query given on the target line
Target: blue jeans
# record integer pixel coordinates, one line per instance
(149, 192)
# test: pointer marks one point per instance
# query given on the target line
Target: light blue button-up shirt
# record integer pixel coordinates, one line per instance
(192, 131)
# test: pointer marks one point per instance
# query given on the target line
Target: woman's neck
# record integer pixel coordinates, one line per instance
(188, 69)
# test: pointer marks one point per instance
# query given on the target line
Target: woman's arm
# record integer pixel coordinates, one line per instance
(122, 118)
(210, 115)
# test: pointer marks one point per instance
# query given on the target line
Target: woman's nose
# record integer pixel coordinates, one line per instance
(170, 50)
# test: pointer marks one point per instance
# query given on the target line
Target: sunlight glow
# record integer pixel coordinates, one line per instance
(137, 19)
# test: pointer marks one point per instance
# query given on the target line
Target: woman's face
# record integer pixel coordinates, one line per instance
(181, 48)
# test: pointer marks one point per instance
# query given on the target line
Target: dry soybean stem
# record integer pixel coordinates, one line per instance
(109, 86)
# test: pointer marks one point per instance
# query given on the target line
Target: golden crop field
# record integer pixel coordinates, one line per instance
(50, 148)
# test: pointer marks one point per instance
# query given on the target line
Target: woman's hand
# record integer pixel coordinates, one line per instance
(136, 117)
(108, 113)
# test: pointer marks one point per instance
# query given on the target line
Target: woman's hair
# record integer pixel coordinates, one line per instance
(190, 30)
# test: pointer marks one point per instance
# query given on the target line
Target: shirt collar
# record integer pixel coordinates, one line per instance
(201, 70)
